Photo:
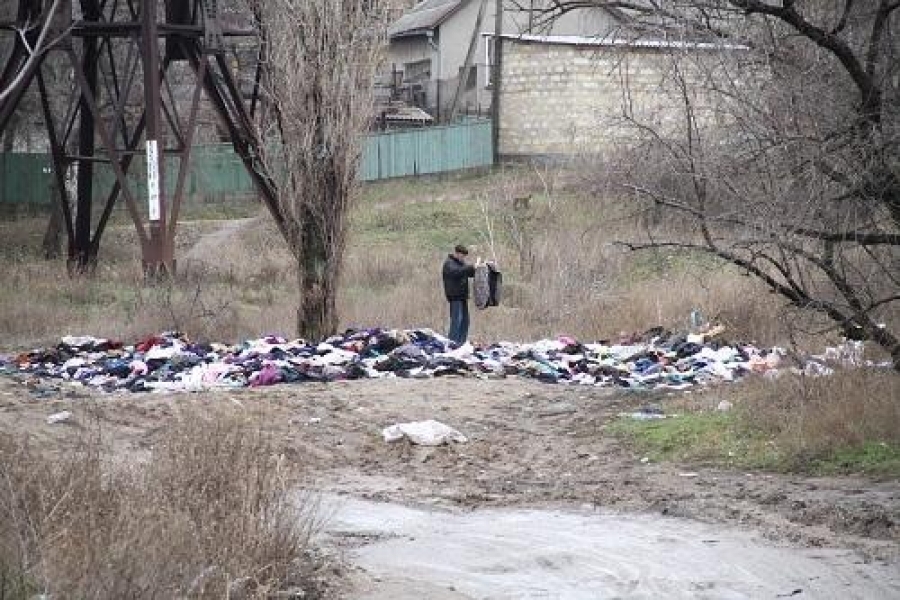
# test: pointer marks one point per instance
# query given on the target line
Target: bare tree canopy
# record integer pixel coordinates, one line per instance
(321, 58)
(796, 179)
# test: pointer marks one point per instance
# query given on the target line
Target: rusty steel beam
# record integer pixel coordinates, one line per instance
(128, 155)
(157, 259)
(187, 145)
(106, 47)
(87, 73)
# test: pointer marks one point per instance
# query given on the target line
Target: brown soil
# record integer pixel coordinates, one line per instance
(530, 445)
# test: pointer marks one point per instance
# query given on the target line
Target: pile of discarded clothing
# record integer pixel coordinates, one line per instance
(172, 362)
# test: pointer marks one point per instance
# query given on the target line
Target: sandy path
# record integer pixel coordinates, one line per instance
(208, 246)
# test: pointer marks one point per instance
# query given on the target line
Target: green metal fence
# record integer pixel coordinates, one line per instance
(428, 150)
(216, 171)
(25, 179)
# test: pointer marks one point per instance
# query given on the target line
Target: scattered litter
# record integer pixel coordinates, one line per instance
(724, 406)
(688, 475)
(60, 417)
(848, 354)
(560, 409)
(640, 416)
(646, 413)
(656, 359)
(645, 460)
(423, 433)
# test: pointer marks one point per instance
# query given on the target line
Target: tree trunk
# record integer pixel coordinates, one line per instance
(317, 311)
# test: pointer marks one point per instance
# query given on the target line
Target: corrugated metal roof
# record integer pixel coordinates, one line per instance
(423, 17)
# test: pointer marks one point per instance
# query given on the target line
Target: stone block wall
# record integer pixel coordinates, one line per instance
(566, 99)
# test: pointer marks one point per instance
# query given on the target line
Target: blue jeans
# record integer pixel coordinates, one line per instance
(459, 321)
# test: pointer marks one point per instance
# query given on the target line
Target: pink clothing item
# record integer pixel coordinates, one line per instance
(268, 375)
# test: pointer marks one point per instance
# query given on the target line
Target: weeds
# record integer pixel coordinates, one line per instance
(845, 423)
(212, 505)
(827, 421)
(563, 274)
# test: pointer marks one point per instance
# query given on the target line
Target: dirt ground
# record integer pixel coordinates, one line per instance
(531, 445)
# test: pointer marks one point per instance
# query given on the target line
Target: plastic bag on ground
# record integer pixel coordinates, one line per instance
(423, 433)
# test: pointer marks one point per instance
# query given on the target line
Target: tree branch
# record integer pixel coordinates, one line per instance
(879, 24)
(871, 94)
(796, 298)
(35, 54)
(848, 4)
(860, 237)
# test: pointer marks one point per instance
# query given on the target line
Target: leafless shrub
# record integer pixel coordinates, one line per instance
(183, 304)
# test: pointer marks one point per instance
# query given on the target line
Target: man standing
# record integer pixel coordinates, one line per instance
(456, 273)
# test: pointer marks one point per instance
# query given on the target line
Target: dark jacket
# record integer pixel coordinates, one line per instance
(456, 278)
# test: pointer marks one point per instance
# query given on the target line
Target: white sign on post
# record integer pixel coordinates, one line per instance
(153, 180)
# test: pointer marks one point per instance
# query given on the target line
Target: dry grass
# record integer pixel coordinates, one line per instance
(810, 419)
(210, 511)
(238, 281)
(582, 283)
(848, 422)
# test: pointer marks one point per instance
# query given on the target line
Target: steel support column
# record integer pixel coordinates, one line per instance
(105, 47)
(158, 259)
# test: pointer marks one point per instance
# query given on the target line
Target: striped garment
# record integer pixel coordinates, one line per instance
(487, 285)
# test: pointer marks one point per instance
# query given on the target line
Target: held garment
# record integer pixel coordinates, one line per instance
(487, 285)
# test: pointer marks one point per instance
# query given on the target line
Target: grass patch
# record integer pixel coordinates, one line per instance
(424, 226)
(562, 272)
(710, 438)
(433, 187)
(873, 458)
(846, 423)
(652, 264)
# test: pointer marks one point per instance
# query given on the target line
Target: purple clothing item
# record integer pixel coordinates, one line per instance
(268, 375)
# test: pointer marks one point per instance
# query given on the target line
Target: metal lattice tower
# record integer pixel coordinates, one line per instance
(119, 51)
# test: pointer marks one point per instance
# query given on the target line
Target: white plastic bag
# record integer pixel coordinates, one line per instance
(423, 433)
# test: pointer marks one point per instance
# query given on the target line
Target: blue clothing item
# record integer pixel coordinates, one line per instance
(459, 321)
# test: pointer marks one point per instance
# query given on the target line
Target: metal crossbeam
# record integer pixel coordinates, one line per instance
(110, 118)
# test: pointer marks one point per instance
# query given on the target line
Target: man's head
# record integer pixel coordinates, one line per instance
(460, 251)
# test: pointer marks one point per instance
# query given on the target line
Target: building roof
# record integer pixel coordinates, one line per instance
(629, 42)
(626, 27)
(407, 114)
(424, 17)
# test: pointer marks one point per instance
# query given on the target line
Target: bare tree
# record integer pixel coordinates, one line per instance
(796, 179)
(321, 58)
